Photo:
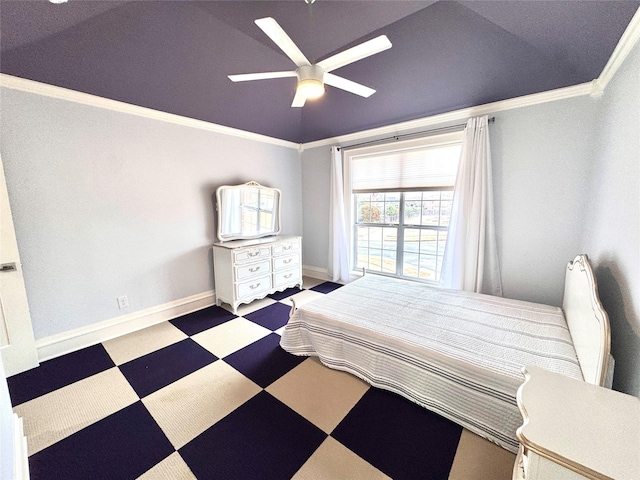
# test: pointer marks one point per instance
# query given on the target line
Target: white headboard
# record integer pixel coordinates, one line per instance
(587, 320)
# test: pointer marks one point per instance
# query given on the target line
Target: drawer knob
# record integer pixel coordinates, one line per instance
(288, 260)
(254, 269)
(254, 254)
(287, 247)
(288, 275)
(253, 287)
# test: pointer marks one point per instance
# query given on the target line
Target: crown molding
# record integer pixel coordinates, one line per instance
(52, 91)
(460, 115)
(626, 43)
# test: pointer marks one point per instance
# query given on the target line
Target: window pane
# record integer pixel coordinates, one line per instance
(411, 240)
(362, 205)
(362, 237)
(445, 213)
(410, 265)
(375, 248)
(412, 212)
(391, 211)
(428, 242)
(362, 259)
(430, 212)
(428, 267)
(390, 238)
(389, 252)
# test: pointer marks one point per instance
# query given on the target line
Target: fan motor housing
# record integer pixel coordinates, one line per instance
(311, 80)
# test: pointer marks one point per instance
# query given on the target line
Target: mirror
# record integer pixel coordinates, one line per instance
(247, 211)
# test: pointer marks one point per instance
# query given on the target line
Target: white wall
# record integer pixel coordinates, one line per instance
(108, 204)
(612, 226)
(540, 157)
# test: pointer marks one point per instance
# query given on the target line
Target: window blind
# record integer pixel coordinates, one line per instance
(403, 169)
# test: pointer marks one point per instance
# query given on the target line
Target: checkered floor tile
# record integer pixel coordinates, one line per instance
(212, 395)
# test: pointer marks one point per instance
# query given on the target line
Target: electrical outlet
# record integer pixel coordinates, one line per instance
(123, 301)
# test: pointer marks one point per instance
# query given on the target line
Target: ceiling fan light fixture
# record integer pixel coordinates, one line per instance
(310, 88)
(310, 81)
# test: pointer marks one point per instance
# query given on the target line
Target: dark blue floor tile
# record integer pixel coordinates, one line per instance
(326, 287)
(162, 367)
(57, 373)
(263, 361)
(272, 317)
(123, 445)
(286, 293)
(202, 320)
(400, 438)
(261, 439)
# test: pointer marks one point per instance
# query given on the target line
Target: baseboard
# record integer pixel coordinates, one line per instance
(316, 272)
(79, 338)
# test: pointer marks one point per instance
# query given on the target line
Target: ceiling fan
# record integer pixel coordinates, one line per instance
(313, 77)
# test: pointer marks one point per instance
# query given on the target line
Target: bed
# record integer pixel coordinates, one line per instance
(459, 354)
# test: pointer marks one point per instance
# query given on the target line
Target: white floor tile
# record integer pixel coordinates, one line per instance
(334, 460)
(302, 297)
(189, 406)
(172, 467)
(322, 395)
(128, 347)
(58, 414)
(231, 336)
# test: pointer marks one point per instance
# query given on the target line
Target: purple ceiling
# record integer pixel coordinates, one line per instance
(175, 56)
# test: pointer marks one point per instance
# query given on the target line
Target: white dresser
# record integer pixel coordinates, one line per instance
(575, 430)
(246, 270)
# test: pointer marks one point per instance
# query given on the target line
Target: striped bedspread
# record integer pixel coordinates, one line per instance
(457, 353)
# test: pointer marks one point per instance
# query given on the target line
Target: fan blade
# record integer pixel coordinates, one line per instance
(348, 85)
(298, 100)
(275, 32)
(245, 77)
(356, 53)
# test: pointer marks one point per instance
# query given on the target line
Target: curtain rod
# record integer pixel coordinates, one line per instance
(398, 137)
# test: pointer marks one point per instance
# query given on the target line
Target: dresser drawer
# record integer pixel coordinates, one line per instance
(285, 261)
(286, 247)
(253, 287)
(286, 277)
(250, 254)
(253, 270)
(246, 270)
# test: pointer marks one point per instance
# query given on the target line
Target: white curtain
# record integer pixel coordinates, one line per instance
(470, 257)
(338, 249)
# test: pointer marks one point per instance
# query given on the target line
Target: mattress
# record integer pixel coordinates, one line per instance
(459, 354)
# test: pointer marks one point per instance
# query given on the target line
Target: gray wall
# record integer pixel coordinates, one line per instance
(108, 204)
(612, 225)
(541, 156)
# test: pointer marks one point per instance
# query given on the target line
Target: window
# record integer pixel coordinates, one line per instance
(402, 196)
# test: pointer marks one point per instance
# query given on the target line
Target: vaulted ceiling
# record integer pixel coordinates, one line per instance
(175, 56)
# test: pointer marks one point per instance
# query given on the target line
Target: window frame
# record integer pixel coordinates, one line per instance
(349, 154)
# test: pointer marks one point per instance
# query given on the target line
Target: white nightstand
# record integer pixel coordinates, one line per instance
(575, 430)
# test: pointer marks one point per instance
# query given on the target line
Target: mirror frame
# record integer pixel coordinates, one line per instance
(277, 227)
